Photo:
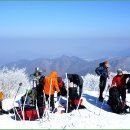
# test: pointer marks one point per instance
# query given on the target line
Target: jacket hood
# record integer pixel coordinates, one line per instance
(54, 74)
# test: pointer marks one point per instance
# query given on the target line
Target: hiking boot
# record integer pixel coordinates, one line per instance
(1, 112)
(5, 112)
(126, 106)
(109, 102)
(101, 99)
(55, 110)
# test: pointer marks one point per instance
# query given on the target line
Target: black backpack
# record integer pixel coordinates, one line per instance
(114, 101)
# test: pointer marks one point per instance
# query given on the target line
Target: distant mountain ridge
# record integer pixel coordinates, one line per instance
(66, 64)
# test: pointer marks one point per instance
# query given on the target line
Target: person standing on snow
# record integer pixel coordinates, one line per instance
(51, 84)
(37, 75)
(119, 81)
(104, 73)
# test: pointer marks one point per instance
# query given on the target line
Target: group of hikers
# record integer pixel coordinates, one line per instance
(117, 90)
(45, 87)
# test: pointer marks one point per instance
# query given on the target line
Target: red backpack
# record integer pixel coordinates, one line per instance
(30, 114)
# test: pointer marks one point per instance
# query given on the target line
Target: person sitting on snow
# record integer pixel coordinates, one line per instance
(119, 81)
(1, 99)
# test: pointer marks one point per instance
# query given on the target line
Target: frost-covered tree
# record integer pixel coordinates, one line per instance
(91, 82)
(10, 80)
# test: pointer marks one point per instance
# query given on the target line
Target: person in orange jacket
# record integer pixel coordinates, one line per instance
(51, 84)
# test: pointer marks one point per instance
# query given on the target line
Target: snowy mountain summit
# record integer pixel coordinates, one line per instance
(96, 115)
(90, 118)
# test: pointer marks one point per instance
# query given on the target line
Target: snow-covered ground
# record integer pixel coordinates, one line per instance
(84, 119)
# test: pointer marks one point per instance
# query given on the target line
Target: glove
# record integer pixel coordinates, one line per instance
(59, 93)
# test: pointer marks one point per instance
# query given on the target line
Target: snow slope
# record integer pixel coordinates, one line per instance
(84, 119)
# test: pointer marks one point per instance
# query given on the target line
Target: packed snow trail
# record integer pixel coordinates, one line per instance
(83, 119)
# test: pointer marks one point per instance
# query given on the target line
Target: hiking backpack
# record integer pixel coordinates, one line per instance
(60, 82)
(34, 93)
(30, 97)
(62, 88)
(114, 101)
(29, 113)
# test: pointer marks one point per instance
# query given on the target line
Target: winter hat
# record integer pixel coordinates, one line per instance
(119, 72)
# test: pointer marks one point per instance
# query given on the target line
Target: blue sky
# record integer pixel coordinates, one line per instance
(30, 30)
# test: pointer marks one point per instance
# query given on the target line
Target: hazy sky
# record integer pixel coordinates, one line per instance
(30, 30)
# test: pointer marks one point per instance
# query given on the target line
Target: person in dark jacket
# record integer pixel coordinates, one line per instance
(38, 81)
(104, 73)
(119, 81)
(77, 80)
(75, 91)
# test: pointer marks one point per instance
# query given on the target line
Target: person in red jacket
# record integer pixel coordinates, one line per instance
(120, 82)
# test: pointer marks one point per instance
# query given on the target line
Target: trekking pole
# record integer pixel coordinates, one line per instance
(50, 95)
(25, 102)
(96, 102)
(38, 112)
(68, 121)
(45, 99)
(79, 103)
(15, 110)
(104, 99)
(20, 84)
(67, 93)
(58, 103)
(97, 98)
(45, 113)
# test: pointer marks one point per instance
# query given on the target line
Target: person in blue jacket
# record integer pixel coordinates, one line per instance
(104, 73)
